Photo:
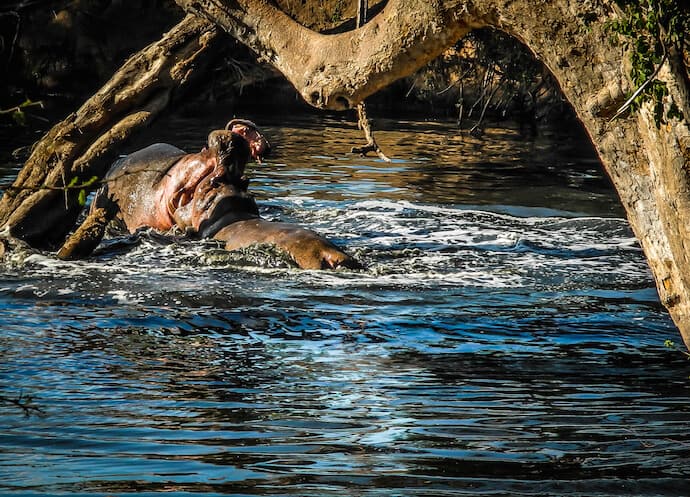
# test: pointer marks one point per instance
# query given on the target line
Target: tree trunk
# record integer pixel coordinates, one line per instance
(37, 207)
(648, 164)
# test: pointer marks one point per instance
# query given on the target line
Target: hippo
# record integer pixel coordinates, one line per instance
(204, 195)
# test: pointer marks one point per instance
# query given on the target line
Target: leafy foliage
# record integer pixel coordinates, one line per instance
(75, 184)
(650, 28)
(18, 111)
(670, 344)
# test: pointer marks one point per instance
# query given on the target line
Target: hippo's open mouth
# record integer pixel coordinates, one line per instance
(186, 189)
(214, 206)
(210, 199)
(204, 188)
(259, 146)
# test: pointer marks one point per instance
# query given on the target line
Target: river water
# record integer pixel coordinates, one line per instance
(505, 337)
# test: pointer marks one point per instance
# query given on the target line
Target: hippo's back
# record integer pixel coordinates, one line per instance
(147, 165)
(135, 175)
(132, 179)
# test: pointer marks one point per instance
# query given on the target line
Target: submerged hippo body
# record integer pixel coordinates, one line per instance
(205, 195)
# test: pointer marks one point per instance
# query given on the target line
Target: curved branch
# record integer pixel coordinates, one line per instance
(337, 71)
(648, 165)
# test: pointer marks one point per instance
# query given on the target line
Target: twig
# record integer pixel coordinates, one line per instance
(362, 8)
(461, 105)
(449, 87)
(412, 87)
(14, 38)
(629, 101)
(371, 146)
(23, 402)
(62, 173)
(15, 189)
(485, 84)
(73, 185)
(18, 108)
(476, 129)
(455, 83)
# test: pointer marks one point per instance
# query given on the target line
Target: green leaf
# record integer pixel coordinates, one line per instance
(19, 117)
(91, 181)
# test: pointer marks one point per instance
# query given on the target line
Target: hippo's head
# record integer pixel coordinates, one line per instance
(208, 190)
(234, 145)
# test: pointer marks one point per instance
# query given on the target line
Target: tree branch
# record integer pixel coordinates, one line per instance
(338, 71)
(371, 145)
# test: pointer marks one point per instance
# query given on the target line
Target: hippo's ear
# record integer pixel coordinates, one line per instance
(214, 140)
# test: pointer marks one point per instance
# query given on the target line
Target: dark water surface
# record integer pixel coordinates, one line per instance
(505, 339)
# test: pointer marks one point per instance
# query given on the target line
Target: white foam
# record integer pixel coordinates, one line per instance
(403, 244)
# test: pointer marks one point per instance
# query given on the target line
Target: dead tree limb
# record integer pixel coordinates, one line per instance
(337, 71)
(38, 208)
(371, 145)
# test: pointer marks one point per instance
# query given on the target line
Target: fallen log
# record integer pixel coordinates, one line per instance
(40, 207)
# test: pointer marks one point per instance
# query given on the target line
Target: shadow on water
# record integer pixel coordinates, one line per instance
(505, 339)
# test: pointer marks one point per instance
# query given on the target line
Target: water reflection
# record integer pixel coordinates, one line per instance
(505, 338)
(436, 163)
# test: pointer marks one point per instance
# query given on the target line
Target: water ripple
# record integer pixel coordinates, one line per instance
(505, 338)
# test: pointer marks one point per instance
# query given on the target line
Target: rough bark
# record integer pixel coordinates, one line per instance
(37, 208)
(88, 235)
(338, 71)
(648, 164)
